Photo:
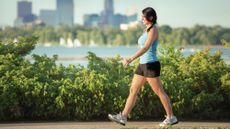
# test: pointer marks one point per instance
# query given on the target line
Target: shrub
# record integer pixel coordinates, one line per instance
(198, 86)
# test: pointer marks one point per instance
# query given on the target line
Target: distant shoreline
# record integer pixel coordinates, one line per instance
(83, 58)
(176, 46)
(78, 54)
(76, 58)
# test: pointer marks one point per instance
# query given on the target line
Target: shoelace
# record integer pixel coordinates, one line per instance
(118, 116)
(167, 120)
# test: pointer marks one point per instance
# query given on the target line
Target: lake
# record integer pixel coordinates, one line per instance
(77, 55)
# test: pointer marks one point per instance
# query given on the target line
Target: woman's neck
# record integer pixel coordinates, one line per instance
(147, 26)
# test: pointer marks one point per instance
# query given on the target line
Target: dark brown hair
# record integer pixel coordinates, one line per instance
(150, 14)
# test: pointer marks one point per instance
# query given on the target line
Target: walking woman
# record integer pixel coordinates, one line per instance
(147, 70)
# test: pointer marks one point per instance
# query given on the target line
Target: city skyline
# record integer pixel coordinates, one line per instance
(179, 13)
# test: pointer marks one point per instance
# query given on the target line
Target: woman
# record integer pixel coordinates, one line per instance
(147, 70)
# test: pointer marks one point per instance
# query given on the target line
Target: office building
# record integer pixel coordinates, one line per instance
(65, 12)
(107, 15)
(24, 8)
(49, 17)
(108, 18)
(91, 20)
(24, 14)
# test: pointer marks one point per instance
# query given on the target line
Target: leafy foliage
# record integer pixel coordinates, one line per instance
(198, 86)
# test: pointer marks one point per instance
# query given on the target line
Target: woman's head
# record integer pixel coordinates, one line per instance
(149, 16)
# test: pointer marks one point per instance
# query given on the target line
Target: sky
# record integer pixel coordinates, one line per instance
(176, 13)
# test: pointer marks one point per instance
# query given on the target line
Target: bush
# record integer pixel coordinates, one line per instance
(198, 86)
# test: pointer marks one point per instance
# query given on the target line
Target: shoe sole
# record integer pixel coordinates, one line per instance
(175, 123)
(170, 125)
(116, 121)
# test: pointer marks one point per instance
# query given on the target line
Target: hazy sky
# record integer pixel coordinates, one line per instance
(176, 13)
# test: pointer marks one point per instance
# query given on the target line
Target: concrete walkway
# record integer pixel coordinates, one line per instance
(110, 125)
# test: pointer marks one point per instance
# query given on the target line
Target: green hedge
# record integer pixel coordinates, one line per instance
(198, 86)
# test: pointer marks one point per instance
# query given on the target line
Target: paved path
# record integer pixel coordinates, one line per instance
(109, 125)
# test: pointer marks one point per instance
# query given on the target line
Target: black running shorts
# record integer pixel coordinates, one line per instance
(149, 70)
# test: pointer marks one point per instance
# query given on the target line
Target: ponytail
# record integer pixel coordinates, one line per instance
(150, 28)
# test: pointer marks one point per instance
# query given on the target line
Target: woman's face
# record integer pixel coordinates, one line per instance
(144, 20)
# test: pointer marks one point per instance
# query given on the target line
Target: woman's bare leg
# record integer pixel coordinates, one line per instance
(156, 86)
(137, 82)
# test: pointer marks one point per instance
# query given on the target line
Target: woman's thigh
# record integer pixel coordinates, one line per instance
(155, 84)
(137, 82)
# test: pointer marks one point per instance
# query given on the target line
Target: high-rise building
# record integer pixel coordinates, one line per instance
(24, 8)
(132, 18)
(29, 18)
(65, 12)
(24, 14)
(108, 18)
(49, 17)
(119, 19)
(107, 15)
(91, 20)
(109, 9)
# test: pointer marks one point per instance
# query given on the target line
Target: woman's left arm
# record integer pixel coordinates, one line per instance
(152, 35)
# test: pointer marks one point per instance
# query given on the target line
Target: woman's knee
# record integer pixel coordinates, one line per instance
(133, 91)
(159, 91)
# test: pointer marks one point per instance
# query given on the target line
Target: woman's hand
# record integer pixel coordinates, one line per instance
(126, 62)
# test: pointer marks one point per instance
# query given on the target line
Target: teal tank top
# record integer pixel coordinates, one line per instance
(151, 54)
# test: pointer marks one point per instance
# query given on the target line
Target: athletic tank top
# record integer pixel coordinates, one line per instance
(150, 55)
